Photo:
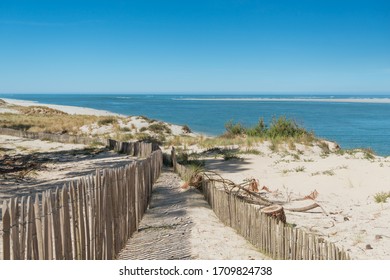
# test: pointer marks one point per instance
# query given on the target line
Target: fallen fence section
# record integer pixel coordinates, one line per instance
(272, 237)
(90, 218)
(61, 138)
(138, 149)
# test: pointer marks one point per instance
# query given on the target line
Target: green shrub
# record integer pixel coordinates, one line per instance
(233, 129)
(259, 130)
(281, 128)
(285, 128)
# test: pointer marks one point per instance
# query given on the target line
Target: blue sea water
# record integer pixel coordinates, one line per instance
(352, 125)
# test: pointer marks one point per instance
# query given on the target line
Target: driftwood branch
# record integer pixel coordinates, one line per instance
(228, 183)
(307, 208)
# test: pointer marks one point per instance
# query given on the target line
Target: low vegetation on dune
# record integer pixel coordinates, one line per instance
(48, 120)
(279, 128)
(39, 110)
(57, 123)
(280, 131)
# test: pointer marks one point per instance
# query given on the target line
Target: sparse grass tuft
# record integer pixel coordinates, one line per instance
(230, 154)
(248, 151)
(381, 197)
(107, 120)
(328, 172)
(368, 153)
(324, 147)
(299, 169)
(160, 127)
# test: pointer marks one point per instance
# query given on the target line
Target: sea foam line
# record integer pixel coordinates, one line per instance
(329, 100)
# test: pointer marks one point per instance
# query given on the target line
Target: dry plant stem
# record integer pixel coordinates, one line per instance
(232, 185)
(307, 208)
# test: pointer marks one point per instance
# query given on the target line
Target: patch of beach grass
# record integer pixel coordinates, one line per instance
(249, 151)
(39, 110)
(300, 169)
(279, 128)
(231, 155)
(160, 127)
(329, 172)
(69, 124)
(381, 197)
(368, 153)
(106, 121)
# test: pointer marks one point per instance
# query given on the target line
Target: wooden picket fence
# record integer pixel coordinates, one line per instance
(269, 235)
(137, 149)
(91, 218)
(61, 138)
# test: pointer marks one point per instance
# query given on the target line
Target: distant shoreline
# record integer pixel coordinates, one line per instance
(329, 100)
(73, 110)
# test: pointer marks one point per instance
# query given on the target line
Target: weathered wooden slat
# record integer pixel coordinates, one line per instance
(65, 225)
(22, 227)
(84, 185)
(14, 228)
(6, 219)
(29, 232)
(56, 225)
(35, 249)
(38, 226)
(81, 223)
(45, 227)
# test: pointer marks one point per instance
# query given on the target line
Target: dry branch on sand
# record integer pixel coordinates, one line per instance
(248, 191)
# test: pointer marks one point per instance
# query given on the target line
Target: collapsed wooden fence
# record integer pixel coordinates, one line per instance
(272, 237)
(137, 149)
(61, 138)
(90, 218)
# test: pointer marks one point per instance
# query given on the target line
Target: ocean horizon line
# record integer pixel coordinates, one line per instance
(336, 93)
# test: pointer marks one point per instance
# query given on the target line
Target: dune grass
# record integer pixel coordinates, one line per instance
(381, 197)
(51, 124)
(280, 130)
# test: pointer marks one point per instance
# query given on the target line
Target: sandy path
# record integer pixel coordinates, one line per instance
(179, 224)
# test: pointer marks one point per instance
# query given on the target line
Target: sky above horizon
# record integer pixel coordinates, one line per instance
(194, 46)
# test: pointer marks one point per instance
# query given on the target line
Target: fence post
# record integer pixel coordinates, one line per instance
(174, 161)
(6, 232)
(14, 228)
(38, 226)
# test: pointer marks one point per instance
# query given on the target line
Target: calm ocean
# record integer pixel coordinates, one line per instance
(350, 124)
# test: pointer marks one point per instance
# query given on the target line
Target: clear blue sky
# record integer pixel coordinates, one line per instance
(185, 45)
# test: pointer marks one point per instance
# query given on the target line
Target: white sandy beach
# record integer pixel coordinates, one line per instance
(67, 109)
(346, 186)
